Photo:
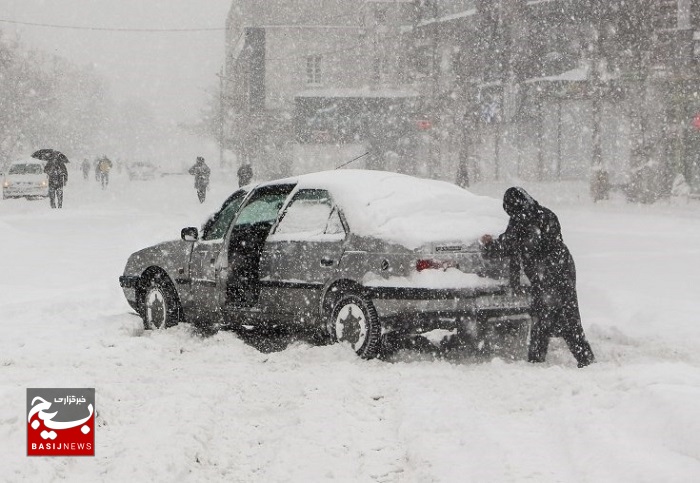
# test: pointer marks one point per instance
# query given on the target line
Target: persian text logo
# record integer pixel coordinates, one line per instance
(61, 422)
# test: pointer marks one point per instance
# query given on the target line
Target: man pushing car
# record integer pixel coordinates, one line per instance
(533, 240)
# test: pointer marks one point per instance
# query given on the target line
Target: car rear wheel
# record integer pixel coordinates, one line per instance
(354, 322)
(160, 304)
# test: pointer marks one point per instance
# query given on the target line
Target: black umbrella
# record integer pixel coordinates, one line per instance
(49, 154)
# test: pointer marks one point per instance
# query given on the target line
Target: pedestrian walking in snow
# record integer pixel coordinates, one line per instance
(201, 173)
(534, 242)
(245, 173)
(462, 179)
(104, 165)
(57, 172)
(85, 167)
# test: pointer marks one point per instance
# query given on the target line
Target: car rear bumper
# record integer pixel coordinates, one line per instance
(431, 306)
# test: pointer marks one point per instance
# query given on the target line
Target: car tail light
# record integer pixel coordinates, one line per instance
(426, 264)
(430, 264)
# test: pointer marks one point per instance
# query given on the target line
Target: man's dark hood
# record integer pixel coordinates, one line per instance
(517, 201)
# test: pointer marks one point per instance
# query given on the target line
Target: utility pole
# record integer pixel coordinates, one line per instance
(222, 116)
(599, 175)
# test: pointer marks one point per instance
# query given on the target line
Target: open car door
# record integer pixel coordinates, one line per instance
(248, 234)
(208, 257)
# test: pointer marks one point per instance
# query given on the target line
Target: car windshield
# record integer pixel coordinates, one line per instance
(217, 226)
(29, 168)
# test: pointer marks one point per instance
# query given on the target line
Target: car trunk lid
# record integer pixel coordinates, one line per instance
(466, 257)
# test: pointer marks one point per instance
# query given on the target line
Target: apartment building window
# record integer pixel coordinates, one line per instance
(313, 69)
(380, 15)
(666, 14)
(423, 60)
(695, 14)
(380, 69)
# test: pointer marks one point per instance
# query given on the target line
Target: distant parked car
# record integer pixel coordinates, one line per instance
(141, 170)
(355, 254)
(25, 178)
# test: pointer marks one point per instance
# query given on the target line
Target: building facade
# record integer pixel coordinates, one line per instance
(308, 82)
(490, 89)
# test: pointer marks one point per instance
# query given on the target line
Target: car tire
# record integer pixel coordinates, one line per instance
(354, 321)
(160, 304)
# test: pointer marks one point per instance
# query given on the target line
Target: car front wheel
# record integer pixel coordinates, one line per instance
(160, 305)
(354, 322)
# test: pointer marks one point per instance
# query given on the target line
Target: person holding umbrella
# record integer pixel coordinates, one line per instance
(57, 172)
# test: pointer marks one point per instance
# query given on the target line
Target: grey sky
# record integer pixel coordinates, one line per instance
(170, 70)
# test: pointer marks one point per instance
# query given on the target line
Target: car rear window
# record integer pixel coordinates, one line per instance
(310, 213)
(29, 168)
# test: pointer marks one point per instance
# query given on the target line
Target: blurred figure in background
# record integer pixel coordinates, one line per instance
(85, 167)
(201, 173)
(245, 173)
(104, 165)
(462, 179)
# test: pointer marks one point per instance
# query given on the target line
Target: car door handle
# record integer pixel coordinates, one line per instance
(327, 262)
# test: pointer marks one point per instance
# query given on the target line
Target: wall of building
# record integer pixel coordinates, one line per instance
(560, 148)
(363, 54)
(343, 61)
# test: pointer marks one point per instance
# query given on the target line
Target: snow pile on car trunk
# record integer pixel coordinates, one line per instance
(407, 210)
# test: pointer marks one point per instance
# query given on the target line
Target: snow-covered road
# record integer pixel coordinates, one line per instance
(177, 407)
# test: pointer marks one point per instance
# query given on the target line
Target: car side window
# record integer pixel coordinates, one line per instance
(335, 224)
(217, 226)
(263, 206)
(310, 213)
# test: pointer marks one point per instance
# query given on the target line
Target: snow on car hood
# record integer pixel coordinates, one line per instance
(407, 210)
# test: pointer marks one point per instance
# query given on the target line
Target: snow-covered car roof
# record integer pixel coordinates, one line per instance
(407, 210)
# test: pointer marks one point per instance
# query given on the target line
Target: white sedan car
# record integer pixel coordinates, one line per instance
(26, 179)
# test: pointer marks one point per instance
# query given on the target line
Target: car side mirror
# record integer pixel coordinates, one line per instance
(189, 234)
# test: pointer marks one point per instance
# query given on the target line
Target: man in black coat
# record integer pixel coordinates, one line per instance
(58, 177)
(533, 240)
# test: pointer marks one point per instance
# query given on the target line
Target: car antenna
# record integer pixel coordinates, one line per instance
(353, 159)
